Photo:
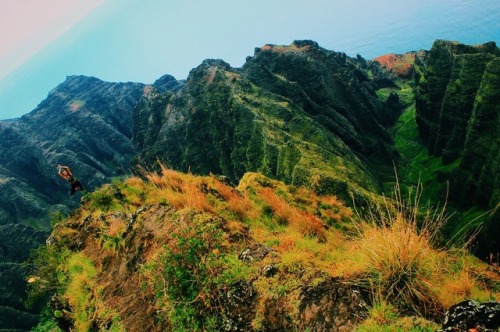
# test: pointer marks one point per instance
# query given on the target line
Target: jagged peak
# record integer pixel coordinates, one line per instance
(208, 69)
(214, 63)
(80, 78)
(73, 83)
(168, 83)
(296, 46)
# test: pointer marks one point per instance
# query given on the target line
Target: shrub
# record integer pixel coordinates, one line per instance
(397, 253)
(395, 249)
(101, 199)
(186, 273)
(305, 222)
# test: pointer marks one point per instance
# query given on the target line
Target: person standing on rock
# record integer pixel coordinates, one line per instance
(66, 174)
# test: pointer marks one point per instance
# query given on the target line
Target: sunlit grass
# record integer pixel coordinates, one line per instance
(394, 253)
(82, 294)
(399, 256)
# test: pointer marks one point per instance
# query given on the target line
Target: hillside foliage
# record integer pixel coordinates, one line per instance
(174, 251)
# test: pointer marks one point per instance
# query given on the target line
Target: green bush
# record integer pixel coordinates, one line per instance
(191, 268)
(102, 199)
(47, 275)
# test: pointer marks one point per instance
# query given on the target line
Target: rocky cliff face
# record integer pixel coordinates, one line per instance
(457, 114)
(298, 113)
(85, 123)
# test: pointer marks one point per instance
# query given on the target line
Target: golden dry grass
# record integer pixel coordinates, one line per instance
(396, 253)
(392, 253)
(305, 222)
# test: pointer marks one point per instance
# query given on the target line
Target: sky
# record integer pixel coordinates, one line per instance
(44, 41)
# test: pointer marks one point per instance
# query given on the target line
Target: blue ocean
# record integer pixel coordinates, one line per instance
(466, 21)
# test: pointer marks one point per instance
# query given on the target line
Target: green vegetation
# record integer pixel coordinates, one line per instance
(417, 168)
(191, 266)
(404, 91)
(192, 253)
(415, 165)
(72, 277)
(181, 243)
(384, 317)
(47, 324)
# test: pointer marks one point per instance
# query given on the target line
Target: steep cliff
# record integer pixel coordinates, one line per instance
(456, 99)
(298, 113)
(85, 123)
(478, 174)
(457, 89)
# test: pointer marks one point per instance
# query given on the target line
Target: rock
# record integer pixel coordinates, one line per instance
(224, 179)
(238, 303)
(269, 270)
(255, 253)
(472, 315)
(332, 306)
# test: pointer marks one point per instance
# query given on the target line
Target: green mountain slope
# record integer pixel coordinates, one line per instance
(457, 111)
(298, 113)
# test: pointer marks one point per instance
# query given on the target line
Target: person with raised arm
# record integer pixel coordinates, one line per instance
(65, 173)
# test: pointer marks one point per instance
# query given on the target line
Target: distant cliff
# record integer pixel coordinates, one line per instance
(457, 89)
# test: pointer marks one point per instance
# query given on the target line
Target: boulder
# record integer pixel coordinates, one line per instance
(472, 315)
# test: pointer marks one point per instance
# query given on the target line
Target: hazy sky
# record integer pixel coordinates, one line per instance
(43, 41)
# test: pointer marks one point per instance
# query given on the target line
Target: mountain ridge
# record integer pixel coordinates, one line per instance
(233, 102)
(298, 113)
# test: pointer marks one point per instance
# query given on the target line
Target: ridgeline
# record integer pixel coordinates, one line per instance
(305, 144)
